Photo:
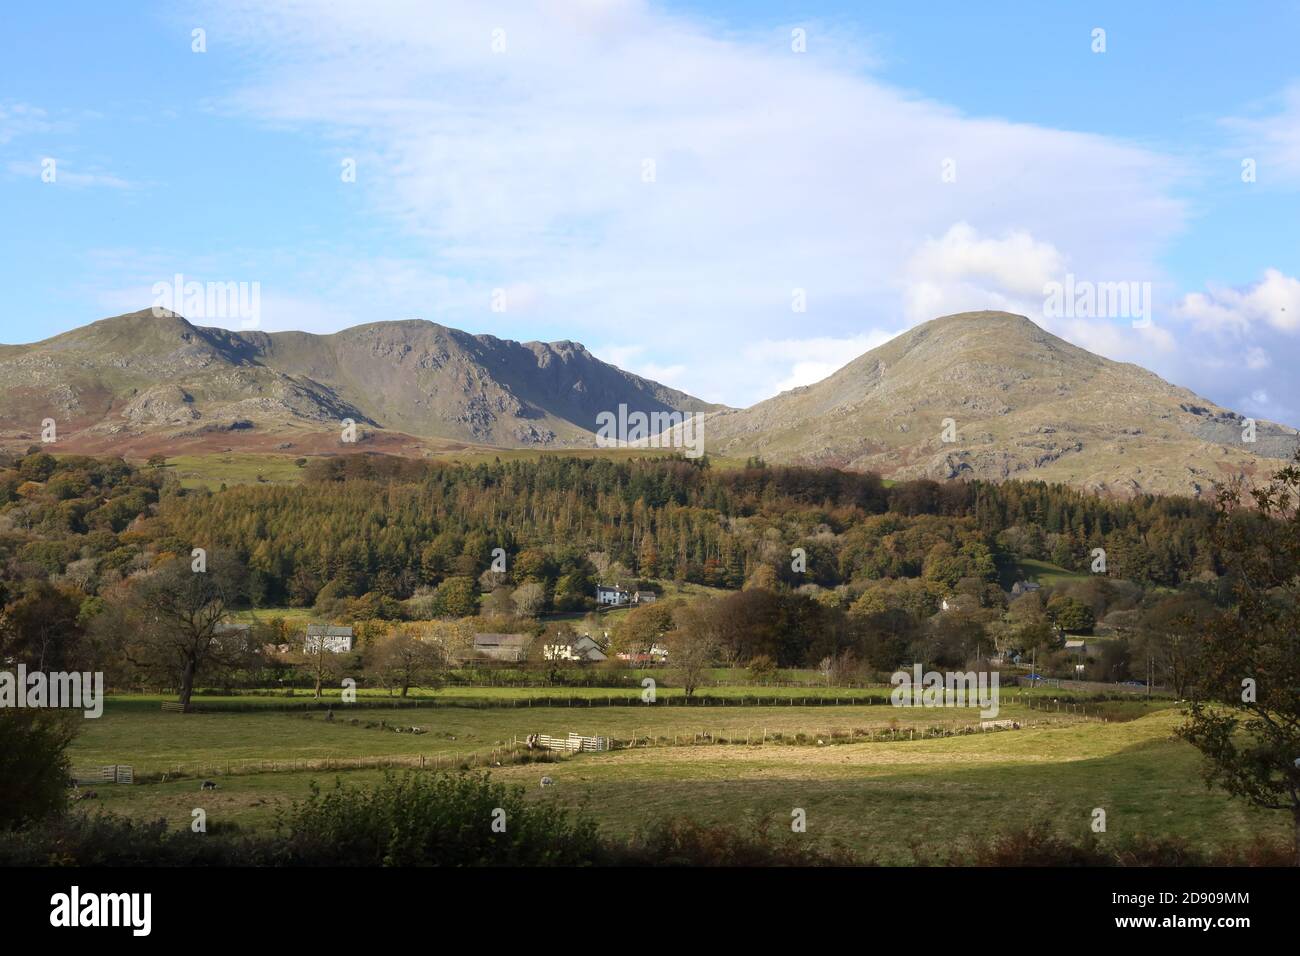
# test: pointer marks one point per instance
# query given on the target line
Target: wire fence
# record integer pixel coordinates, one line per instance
(609, 700)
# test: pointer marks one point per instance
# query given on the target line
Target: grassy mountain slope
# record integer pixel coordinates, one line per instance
(1024, 404)
(140, 378)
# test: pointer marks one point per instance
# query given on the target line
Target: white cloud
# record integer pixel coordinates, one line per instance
(1017, 262)
(1273, 301)
(772, 171)
(963, 271)
(790, 363)
(1272, 140)
(1257, 358)
(632, 358)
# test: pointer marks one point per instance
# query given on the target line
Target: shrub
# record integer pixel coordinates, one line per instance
(33, 764)
(684, 842)
(1039, 844)
(432, 819)
(106, 839)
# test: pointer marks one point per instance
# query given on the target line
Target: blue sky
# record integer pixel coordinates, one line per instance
(663, 181)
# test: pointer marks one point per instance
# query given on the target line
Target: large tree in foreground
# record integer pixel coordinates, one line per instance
(172, 618)
(1246, 713)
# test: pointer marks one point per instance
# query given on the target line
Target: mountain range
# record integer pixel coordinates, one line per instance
(979, 394)
(142, 380)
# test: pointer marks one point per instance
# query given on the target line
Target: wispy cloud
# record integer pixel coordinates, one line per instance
(637, 170)
(1271, 137)
(22, 119)
(60, 175)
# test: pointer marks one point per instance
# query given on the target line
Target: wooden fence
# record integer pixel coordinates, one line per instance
(114, 773)
(574, 743)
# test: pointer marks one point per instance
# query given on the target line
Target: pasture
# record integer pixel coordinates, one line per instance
(1045, 573)
(866, 774)
(135, 731)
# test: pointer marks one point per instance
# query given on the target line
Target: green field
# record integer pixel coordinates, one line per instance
(879, 799)
(855, 771)
(560, 696)
(1047, 574)
(233, 468)
(295, 616)
(138, 733)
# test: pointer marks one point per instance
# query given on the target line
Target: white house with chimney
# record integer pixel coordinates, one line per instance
(612, 596)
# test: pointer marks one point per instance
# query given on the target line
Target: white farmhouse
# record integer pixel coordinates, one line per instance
(612, 596)
(336, 638)
(580, 648)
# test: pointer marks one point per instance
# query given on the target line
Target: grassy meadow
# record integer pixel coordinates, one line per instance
(1046, 573)
(863, 772)
(211, 471)
(136, 731)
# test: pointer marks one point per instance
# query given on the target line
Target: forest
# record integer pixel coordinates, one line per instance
(808, 567)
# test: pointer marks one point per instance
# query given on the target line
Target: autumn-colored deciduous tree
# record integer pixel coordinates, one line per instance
(1070, 614)
(529, 598)
(456, 597)
(172, 619)
(407, 656)
(693, 643)
(1246, 715)
(42, 628)
(1171, 636)
(643, 626)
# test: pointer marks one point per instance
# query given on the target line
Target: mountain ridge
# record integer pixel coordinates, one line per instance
(138, 371)
(1022, 402)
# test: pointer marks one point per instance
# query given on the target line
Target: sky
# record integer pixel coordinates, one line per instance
(733, 198)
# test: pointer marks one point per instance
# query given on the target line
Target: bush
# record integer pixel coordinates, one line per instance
(762, 669)
(1038, 844)
(432, 819)
(106, 839)
(685, 842)
(445, 820)
(33, 763)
